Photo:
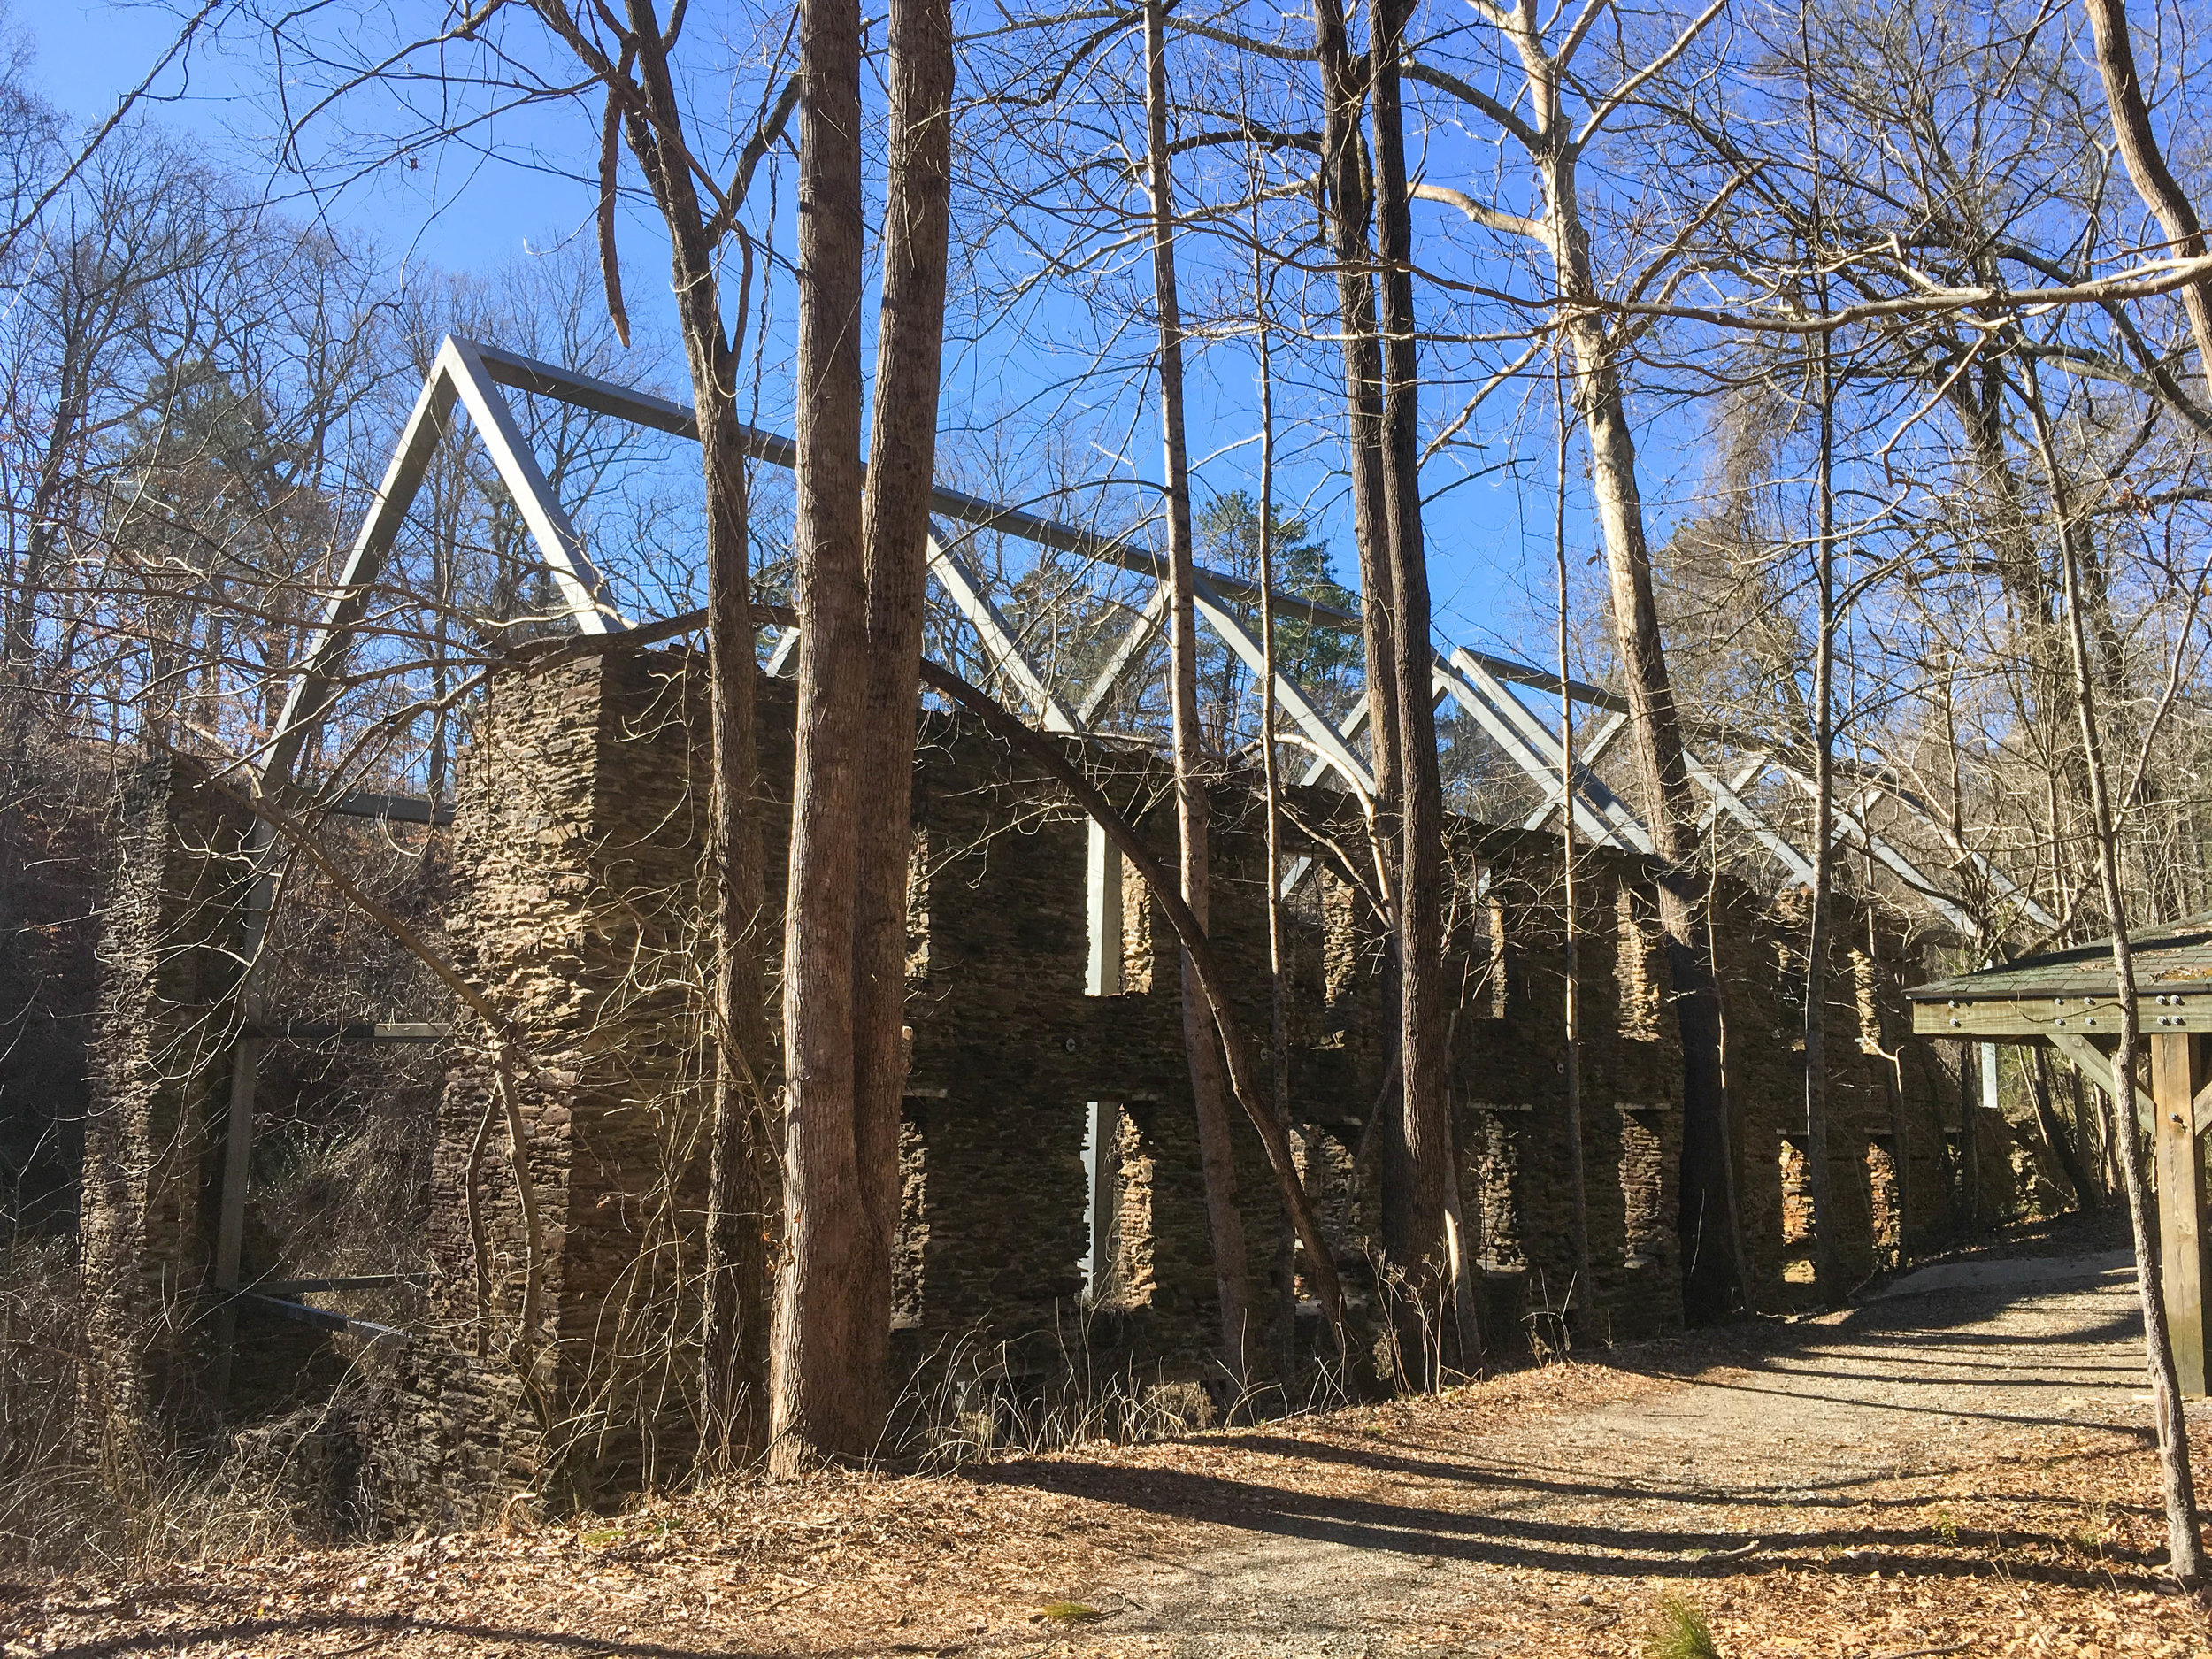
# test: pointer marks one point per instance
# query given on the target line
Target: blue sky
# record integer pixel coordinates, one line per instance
(466, 210)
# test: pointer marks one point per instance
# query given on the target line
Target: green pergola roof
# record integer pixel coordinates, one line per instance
(2174, 956)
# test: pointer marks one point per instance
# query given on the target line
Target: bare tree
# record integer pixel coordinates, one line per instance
(1553, 143)
(1215, 1153)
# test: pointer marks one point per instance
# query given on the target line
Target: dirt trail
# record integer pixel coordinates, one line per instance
(1774, 1455)
(1965, 1470)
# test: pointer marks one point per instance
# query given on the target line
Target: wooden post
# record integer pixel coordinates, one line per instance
(2178, 1072)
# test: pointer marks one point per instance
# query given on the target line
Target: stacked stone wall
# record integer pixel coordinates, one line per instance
(580, 830)
(167, 956)
(577, 861)
(1892, 1105)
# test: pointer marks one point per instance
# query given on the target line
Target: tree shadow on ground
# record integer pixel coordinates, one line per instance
(1509, 1495)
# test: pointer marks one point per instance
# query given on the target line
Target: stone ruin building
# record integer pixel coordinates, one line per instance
(1053, 1218)
(1054, 1255)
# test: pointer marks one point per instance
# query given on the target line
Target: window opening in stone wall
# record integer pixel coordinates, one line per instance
(1103, 1134)
(1483, 960)
(1104, 915)
(1798, 1267)
(1888, 1211)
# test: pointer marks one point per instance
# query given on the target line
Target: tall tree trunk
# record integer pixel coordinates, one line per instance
(824, 1404)
(1708, 1216)
(1584, 1291)
(902, 468)
(743, 1182)
(1216, 1155)
(1347, 211)
(1819, 1154)
(2184, 1547)
(1277, 966)
(1416, 1161)
(742, 1197)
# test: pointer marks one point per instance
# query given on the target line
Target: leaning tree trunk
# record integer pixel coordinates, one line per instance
(1216, 1155)
(1708, 1216)
(827, 1404)
(2155, 181)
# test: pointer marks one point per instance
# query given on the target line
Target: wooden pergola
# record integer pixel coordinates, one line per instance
(2069, 1000)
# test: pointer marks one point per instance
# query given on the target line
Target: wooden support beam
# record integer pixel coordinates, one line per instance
(2024, 1018)
(2096, 1064)
(2177, 1075)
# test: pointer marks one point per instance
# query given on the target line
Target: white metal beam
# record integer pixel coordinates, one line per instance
(582, 586)
(1727, 800)
(1133, 645)
(1533, 747)
(965, 590)
(1320, 731)
(1746, 776)
(1587, 755)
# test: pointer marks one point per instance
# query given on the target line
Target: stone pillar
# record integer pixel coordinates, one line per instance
(1010, 912)
(167, 963)
(579, 879)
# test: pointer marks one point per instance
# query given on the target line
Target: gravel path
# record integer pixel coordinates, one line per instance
(1776, 1451)
(1959, 1468)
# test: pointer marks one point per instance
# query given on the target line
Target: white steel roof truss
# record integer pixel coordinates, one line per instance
(1133, 645)
(965, 590)
(1320, 731)
(1532, 746)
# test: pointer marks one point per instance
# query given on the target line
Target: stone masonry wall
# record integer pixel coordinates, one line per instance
(578, 829)
(167, 955)
(577, 860)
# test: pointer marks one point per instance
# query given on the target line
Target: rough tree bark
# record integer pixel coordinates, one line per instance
(1270, 781)
(1819, 1153)
(1416, 1161)
(1538, 122)
(643, 111)
(901, 467)
(1216, 1155)
(1582, 1287)
(1347, 210)
(2184, 1547)
(825, 1401)
(2155, 181)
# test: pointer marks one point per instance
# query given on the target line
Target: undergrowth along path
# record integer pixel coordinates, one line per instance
(1963, 1470)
